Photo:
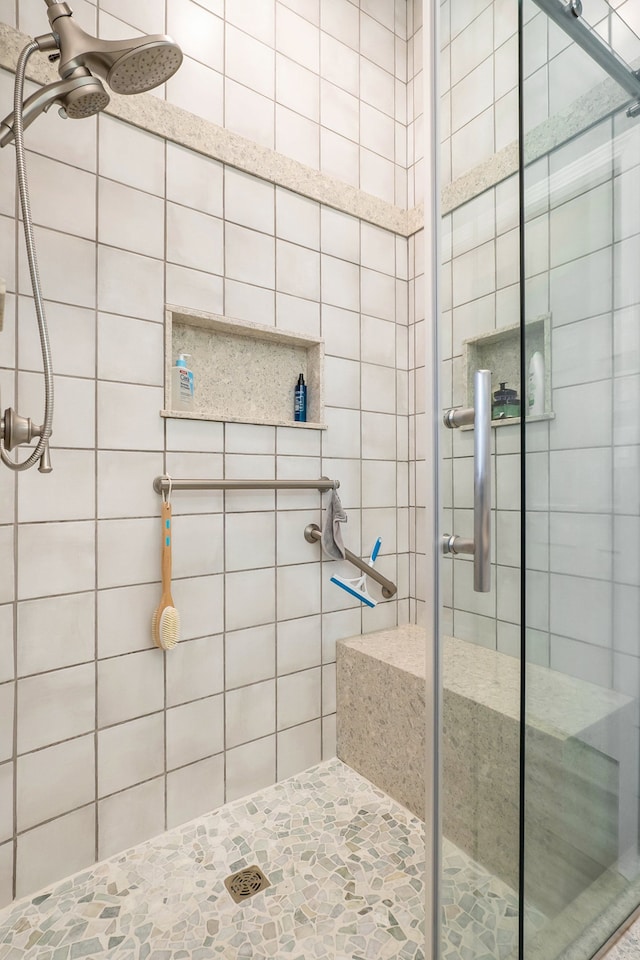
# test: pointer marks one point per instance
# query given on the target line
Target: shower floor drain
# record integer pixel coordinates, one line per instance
(245, 883)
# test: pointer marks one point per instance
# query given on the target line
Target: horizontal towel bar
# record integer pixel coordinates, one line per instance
(313, 533)
(168, 484)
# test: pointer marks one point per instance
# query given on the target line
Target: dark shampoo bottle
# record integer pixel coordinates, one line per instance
(300, 401)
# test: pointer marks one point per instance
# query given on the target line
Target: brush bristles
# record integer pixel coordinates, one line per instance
(166, 628)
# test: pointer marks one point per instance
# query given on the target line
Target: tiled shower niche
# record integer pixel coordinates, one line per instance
(243, 372)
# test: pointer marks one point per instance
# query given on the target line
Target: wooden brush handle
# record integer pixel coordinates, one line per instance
(167, 536)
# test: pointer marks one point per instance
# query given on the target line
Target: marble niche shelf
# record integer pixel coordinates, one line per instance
(499, 351)
(243, 372)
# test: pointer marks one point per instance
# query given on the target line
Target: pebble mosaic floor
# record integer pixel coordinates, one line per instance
(346, 866)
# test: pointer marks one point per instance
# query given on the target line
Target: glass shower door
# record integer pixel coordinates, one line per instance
(581, 553)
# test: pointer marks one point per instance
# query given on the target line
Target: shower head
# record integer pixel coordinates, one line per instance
(128, 66)
(79, 97)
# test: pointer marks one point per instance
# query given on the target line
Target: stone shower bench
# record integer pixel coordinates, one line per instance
(581, 777)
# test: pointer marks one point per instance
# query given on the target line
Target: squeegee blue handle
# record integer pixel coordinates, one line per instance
(376, 550)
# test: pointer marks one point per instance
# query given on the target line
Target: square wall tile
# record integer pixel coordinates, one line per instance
(130, 753)
(130, 817)
(55, 850)
(130, 686)
(55, 632)
(197, 672)
(299, 644)
(299, 698)
(194, 790)
(250, 655)
(67, 770)
(55, 706)
(259, 585)
(250, 713)
(299, 748)
(194, 731)
(298, 591)
(250, 767)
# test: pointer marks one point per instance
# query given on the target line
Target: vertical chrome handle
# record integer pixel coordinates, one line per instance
(480, 546)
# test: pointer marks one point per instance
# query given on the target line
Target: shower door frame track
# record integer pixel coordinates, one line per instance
(598, 49)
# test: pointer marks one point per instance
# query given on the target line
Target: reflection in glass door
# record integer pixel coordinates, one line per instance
(581, 361)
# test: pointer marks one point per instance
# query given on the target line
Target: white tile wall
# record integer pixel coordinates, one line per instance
(131, 741)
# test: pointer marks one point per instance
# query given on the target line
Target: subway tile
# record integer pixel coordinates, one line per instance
(55, 632)
(128, 818)
(194, 790)
(55, 706)
(249, 656)
(250, 713)
(53, 781)
(55, 850)
(299, 748)
(130, 753)
(194, 731)
(250, 767)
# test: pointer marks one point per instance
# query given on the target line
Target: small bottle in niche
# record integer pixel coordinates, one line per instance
(300, 401)
(182, 387)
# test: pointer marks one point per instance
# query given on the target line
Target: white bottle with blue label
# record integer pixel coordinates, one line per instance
(182, 387)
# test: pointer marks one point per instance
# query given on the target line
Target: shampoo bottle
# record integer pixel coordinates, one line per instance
(535, 391)
(182, 388)
(300, 401)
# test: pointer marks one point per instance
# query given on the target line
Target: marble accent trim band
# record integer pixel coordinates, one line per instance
(596, 105)
(188, 130)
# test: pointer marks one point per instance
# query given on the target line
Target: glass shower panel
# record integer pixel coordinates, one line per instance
(480, 645)
(581, 359)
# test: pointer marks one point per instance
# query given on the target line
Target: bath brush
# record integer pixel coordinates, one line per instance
(165, 626)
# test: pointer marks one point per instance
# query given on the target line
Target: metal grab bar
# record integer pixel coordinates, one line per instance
(480, 546)
(169, 485)
(313, 533)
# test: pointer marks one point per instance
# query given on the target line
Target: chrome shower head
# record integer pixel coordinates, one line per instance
(128, 66)
(78, 97)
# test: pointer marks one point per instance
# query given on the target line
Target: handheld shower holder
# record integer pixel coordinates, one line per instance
(15, 431)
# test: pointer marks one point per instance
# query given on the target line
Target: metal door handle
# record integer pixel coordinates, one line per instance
(480, 417)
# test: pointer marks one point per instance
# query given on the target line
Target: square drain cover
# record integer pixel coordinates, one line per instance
(245, 883)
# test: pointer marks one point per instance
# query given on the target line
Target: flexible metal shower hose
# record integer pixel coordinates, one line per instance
(25, 203)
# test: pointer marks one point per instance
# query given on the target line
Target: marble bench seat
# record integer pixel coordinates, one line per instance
(581, 779)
